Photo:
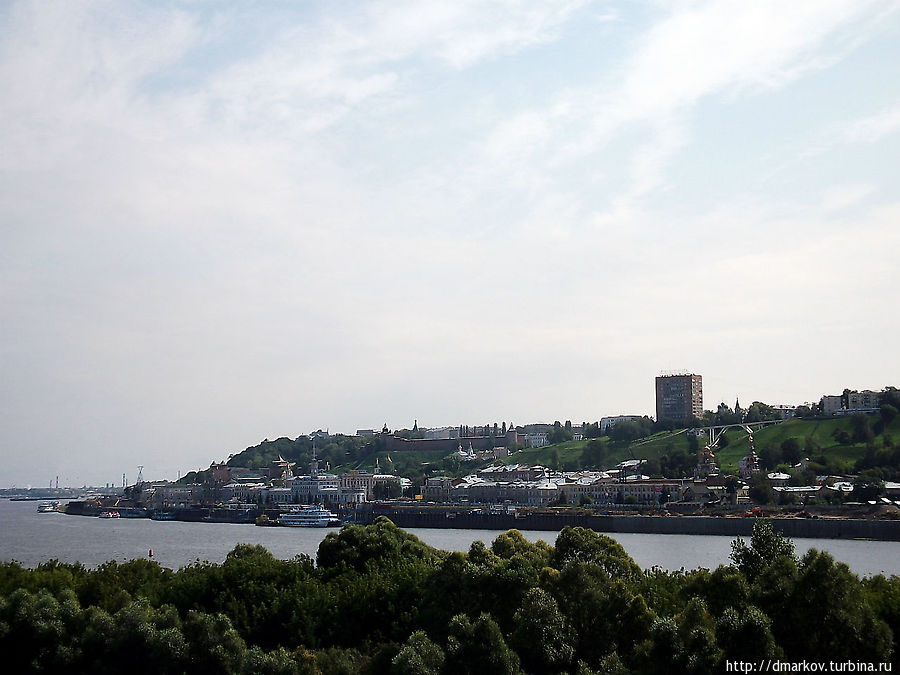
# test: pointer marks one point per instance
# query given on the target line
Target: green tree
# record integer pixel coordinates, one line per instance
(603, 610)
(559, 433)
(542, 638)
(419, 656)
(595, 453)
(685, 643)
(791, 451)
(390, 489)
(867, 486)
(862, 428)
(475, 647)
(355, 546)
(828, 614)
(766, 547)
(512, 543)
(214, 646)
(584, 545)
(746, 635)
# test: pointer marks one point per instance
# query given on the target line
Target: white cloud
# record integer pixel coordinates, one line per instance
(874, 127)
(698, 50)
(844, 196)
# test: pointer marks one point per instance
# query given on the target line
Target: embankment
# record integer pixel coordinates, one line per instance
(815, 528)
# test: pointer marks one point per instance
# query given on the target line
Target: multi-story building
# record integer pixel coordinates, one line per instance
(863, 400)
(830, 405)
(610, 491)
(850, 401)
(358, 480)
(679, 397)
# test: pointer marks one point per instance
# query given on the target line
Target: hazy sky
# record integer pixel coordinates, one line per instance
(221, 222)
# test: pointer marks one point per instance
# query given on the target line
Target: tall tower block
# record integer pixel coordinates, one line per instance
(679, 397)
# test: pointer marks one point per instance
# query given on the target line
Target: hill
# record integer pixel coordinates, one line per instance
(835, 445)
(841, 445)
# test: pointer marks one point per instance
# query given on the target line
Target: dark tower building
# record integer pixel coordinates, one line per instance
(679, 397)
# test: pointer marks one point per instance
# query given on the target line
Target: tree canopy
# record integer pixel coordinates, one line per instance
(382, 601)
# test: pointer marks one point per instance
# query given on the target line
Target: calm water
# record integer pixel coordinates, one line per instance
(31, 538)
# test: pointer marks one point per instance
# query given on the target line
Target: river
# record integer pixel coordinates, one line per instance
(32, 538)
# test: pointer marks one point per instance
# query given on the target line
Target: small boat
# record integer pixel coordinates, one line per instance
(48, 507)
(309, 516)
(109, 514)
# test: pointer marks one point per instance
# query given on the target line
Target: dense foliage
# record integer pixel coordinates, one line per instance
(334, 450)
(381, 601)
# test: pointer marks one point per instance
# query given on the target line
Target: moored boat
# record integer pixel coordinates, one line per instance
(309, 516)
(109, 514)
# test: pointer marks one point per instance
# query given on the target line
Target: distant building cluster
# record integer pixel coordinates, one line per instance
(850, 402)
(535, 485)
(275, 485)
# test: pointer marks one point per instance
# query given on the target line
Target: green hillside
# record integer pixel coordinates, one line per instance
(816, 439)
(571, 454)
(837, 445)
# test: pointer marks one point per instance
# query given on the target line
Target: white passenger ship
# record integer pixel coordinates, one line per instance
(309, 516)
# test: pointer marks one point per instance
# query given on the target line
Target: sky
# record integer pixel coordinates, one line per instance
(226, 221)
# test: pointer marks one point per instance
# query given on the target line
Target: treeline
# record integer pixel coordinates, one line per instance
(381, 601)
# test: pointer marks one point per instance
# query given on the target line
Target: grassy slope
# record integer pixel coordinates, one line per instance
(819, 431)
(645, 448)
(399, 458)
(652, 447)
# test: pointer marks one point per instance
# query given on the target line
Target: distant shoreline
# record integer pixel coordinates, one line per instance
(809, 528)
(736, 523)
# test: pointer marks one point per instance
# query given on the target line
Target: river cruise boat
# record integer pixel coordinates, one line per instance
(48, 507)
(109, 514)
(309, 516)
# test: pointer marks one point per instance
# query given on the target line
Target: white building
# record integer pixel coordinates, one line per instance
(321, 488)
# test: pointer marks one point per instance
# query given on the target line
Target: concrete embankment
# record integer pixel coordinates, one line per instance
(831, 528)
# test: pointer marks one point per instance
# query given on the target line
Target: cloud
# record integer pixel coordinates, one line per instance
(873, 128)
(696, 51)
(845, 196)
(312, 76)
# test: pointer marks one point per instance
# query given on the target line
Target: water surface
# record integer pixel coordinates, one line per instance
(32, 538)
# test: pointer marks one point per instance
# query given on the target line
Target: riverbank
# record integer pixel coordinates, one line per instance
(811, 527)
(813, 523)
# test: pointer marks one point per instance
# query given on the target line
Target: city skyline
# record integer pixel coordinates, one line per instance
(174, 474)
(223, 222)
